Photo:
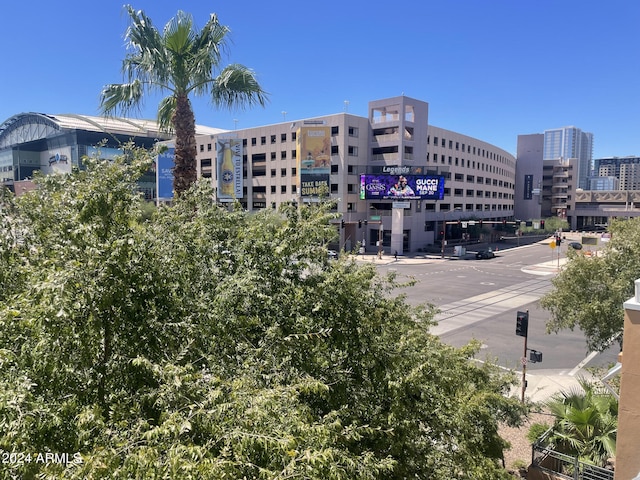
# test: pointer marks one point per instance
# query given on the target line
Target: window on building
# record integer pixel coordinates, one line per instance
(350, 188)
(273, 189)
(244, 142)
(352, 151)
(273, 172)
(353, 132)
(283, 155)
(273, 139)
(202, 147)
(294, 154)
(253, 141)
(283, 137)
(334, 149)
(450, 144)
(283, 172)
(334, 188)
(263, 140)
(283, 189)
(293, 136)
(273, 155)
(294, 188)
(334, 131)
(205, 162)
(208, 147)
(334, 168)
(294, 171)
(443, 142)
(435, 141)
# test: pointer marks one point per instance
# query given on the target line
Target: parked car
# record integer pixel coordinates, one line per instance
(575, 245)
(487, 253)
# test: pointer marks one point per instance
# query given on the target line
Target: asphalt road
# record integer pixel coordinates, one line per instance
(479, 299)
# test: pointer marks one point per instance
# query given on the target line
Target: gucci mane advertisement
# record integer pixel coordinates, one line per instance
(407, 187)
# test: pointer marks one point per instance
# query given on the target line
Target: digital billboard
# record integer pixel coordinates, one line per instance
(314, 159)
(406, 187)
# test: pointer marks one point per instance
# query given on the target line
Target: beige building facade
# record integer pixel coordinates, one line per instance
(395, 138)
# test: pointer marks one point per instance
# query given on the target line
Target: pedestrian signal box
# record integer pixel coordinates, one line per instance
(535, 356)
(522, 324)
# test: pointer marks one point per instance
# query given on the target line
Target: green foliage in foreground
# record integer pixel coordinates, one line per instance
(589, 292)
(586, 423)
(207, 343)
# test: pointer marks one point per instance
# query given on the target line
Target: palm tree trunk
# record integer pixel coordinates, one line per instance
(184, 171)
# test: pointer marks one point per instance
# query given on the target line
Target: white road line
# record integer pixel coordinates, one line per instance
(582, 363)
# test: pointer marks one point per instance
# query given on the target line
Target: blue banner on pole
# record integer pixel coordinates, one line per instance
(164, 169)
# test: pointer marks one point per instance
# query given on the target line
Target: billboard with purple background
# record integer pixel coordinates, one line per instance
(406, 187)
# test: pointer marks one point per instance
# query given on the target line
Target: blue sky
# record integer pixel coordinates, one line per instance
(491, 69)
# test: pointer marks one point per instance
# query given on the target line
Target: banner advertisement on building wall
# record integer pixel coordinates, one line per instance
(164, 174)
(407, 187)
(314, 159)
(229, 169)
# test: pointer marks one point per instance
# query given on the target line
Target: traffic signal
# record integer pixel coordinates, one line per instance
(542, 224)
(341, 223)
(366, 222)
(522, 324)
(504, 222)
(359, 223)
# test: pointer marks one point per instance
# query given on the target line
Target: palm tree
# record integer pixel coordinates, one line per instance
(180, 61)
(586, 423)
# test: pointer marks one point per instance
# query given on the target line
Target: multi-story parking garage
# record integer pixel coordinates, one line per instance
(395, 139)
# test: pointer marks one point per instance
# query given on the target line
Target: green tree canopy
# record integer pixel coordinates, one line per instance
(215, 343)
(590, 291)
(181, 61)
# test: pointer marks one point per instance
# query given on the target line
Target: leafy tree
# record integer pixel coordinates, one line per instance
(182, 61)
(590, 291)
(207, 343)
(586, 423)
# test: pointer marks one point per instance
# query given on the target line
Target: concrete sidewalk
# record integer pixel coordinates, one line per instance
(542, 384)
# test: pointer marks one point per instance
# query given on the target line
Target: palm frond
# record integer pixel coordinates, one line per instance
(178, 33)
(147, 58)
(166, 109)
(123, 97)
(237, 86)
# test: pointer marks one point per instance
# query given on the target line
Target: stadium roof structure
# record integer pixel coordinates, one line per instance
(26, 127)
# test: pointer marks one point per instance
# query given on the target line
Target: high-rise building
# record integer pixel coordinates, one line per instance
(570, 142)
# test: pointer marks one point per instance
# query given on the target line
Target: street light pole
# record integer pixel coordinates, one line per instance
(380, 231)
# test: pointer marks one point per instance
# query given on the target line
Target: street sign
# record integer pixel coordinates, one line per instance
(552, 244)
(375, 217)
(523, 361)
